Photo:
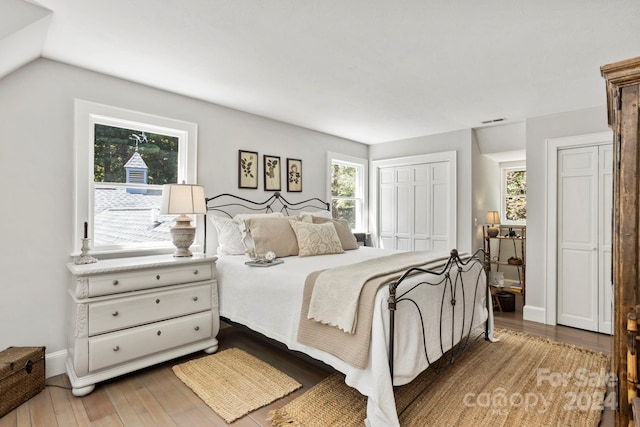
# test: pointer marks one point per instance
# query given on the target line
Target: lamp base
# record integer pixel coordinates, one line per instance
(182, 236)
(493, 231)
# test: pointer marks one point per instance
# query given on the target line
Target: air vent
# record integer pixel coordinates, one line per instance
(501, 119)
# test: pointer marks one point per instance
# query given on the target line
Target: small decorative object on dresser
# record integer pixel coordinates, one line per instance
(84, 257)
(130, 313)
(183, 199)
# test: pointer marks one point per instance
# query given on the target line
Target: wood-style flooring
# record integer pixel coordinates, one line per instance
(155, 397)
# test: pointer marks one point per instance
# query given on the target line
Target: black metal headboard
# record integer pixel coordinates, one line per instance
(229, 204)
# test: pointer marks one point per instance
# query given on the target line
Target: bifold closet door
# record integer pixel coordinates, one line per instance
(413, 206)
(584, 238)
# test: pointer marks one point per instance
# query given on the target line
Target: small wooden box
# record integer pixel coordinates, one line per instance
(22, 376)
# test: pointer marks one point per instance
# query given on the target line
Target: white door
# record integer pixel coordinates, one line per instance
(414, 206)
(584, 256)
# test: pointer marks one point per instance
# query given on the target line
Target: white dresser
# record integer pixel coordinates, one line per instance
(130, 313)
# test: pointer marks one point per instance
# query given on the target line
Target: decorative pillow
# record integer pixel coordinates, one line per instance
(347, 239)
(272, 234)
(321, 214)
(240, 219)
(316, 239)
(229, 236)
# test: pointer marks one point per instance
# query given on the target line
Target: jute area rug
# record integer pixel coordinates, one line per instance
(234, 383)
(518, 381)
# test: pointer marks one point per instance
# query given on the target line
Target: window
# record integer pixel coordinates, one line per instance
(514, 194)
(123, 158)
(347, 189)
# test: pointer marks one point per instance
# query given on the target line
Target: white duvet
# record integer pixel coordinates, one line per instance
(268, 300)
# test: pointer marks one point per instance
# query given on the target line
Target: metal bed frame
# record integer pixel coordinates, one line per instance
(455, 285)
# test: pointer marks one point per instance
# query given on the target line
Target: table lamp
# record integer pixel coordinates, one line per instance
(182, 199)
(493, 218)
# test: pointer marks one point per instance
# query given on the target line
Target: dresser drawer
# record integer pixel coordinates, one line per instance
(135, 280)
(118, 347)
(126, 312)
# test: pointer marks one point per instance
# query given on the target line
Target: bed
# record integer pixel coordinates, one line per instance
(427, 310)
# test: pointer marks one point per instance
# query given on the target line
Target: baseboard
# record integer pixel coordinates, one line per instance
(534, 314)
(54, 363)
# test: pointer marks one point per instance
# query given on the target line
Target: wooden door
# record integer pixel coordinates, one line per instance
(623, 98)
(605, 206)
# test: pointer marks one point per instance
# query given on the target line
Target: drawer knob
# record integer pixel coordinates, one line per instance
(115, 313)
(159, 333)
(195, 298)
(197, 328)
(115, 282)
(116, 348)
(158, 301)
(158, 277)
(195, 271)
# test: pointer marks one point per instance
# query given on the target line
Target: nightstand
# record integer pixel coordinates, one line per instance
(130, 313)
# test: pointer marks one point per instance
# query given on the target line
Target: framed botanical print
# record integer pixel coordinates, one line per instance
(247, 169)
(294, 175)
(271, 168)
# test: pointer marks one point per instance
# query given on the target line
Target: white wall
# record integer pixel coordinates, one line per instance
(539, 130)
(461, 142)
(37, 169)
(486, 191)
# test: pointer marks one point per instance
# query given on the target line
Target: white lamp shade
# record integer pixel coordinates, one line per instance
(493, 217)
(178, 199)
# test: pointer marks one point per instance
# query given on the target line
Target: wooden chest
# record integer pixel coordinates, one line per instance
(22, 376)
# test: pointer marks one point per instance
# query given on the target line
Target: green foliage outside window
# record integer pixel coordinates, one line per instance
(516, 197)
(343, 184)
(114, 146)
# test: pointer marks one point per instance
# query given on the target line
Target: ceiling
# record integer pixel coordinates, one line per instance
(367, 70)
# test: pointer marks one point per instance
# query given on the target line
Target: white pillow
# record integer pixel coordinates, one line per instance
(229, 236)
(321, 214)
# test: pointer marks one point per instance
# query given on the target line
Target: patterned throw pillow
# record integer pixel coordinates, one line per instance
(316, 239)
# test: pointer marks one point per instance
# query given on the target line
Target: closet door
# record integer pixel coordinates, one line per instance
(578, 237)
(414, 206)
(584, 237)
(386, 207)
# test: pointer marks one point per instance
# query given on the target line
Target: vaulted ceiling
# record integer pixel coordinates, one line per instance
(367, 70)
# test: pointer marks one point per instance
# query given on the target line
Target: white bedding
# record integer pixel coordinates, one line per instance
(268, 300)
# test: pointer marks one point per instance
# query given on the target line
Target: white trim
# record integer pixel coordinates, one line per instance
(357, 162)
(55, 362)
(445, 156)
(553, 145)
(534, 314)
(87, 114)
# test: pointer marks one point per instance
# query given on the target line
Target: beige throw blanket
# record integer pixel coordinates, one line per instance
(354, 348)
(336, 293)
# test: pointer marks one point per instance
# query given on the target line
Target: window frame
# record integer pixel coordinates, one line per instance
(362, 168)
(504, 168)
(87, 114)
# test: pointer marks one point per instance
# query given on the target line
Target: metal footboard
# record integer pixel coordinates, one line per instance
(453, 282)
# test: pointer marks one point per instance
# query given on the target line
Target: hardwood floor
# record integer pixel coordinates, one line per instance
(155, 397)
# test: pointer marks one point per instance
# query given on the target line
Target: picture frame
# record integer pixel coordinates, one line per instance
(294, 175)
(271, 168)
(247, 169)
